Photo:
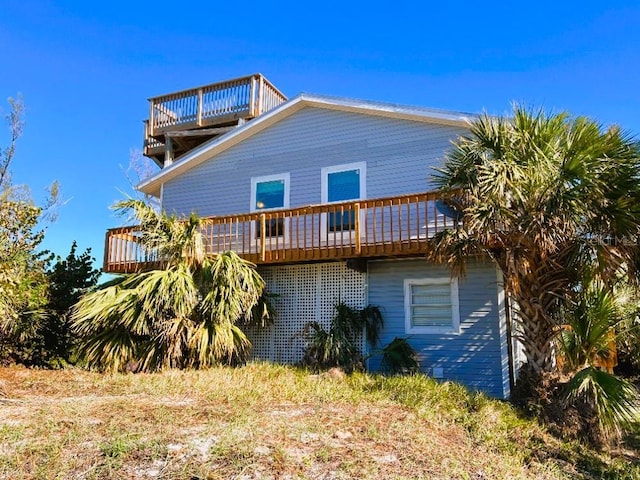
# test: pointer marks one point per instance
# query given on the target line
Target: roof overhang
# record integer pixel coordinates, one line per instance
(153, 185)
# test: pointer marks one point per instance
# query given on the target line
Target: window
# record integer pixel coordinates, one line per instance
(270, 193)
(431, 305)
(342, 183)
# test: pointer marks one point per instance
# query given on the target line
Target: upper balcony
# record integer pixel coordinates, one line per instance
(399, 226)
(183, 120)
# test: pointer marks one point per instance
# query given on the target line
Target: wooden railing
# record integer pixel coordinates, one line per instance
(384, 227)
(150, 143)
(245, 97)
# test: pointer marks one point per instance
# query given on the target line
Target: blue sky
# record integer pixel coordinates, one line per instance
(85, 70)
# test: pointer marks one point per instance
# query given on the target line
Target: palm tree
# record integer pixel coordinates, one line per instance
(548, 198)
(189, 314)
(593, 320)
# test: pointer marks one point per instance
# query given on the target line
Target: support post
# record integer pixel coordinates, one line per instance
(168, 151)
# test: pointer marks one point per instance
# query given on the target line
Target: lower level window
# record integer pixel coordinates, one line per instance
(431, 305)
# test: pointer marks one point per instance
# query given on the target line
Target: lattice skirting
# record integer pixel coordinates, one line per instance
(307, 293)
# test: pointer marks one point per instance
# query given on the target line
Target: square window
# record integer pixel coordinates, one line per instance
(270, 193)
(341, 183)
(344, 185)
(431, 306)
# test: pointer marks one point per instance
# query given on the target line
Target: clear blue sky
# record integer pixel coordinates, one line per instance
(85, 70)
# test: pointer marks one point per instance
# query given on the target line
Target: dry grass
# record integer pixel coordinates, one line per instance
(266, 422)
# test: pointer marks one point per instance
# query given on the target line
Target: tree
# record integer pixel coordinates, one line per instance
(188, 314)
(69, 279)
(593, 320)
(15, 119)
(23, 283)
(549, 198)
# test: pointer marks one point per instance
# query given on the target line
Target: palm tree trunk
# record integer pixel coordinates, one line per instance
(536, 335)
(537, 289)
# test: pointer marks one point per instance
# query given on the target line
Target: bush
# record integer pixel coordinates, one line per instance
(398, 357)
(336, 347)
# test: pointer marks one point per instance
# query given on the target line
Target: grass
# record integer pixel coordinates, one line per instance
(266, 422)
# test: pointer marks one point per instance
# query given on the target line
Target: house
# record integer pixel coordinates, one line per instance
(331, 198)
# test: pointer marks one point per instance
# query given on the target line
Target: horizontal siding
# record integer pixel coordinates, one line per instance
(399, 156)
(472, 357)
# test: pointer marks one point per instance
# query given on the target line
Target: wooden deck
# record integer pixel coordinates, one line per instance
(398, 226)
(181, 120)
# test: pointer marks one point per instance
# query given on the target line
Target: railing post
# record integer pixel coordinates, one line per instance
(145, 144)
(252, 95)
(199, 107)
(260, 95)
(107, 251)
(356, 210)
(263, 236)
(152, 120)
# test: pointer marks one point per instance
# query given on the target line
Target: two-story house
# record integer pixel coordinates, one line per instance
(331, 198)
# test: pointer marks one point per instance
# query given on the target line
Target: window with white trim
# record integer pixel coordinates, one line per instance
(341, 183)
(269, 193)
(431, 305)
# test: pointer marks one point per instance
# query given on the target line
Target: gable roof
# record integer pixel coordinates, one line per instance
(191, 159)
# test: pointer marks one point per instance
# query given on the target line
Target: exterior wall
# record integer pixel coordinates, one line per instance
(398, 153)
(476, 356)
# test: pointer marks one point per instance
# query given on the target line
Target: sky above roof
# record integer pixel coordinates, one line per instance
(86, 69)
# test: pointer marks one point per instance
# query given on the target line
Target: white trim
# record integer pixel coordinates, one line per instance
(324, 194)
(286, 178)
(219, 144)
(504, 338)
(455, 306)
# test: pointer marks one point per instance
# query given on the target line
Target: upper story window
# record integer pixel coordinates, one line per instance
(431, 305)
(268, 193)
(341, 183)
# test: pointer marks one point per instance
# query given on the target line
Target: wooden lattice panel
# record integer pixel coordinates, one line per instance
(262, 338)
(306, 293)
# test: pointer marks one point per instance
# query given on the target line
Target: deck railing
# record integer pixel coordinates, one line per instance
(245, 97)
(384, 227)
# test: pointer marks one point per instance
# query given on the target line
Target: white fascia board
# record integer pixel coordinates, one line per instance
(391, 110)
(207, 150)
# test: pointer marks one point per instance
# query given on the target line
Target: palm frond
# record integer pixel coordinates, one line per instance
(616, 400)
